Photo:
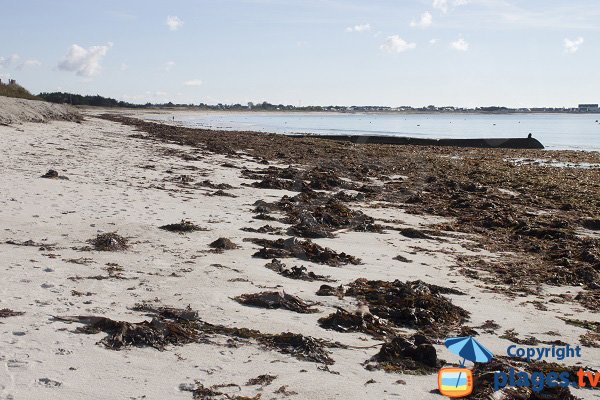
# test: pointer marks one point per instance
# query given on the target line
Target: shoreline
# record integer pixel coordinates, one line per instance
(337, 124)
(465, 219)
(408, 112)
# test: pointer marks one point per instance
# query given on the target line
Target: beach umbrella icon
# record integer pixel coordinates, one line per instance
(469, 349)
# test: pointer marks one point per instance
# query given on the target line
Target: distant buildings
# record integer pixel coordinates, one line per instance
(588, 108)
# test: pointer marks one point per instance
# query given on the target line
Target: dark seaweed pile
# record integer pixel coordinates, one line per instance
(181, 227)
(109, 242)
(173, 326)
(275, 300)
(295, 272)
(302, 249)
(409, 304)
(415, 355)
(344, 321)
(223, 244)
(7, 312)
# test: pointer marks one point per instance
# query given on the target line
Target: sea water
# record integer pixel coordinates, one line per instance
(555, 131)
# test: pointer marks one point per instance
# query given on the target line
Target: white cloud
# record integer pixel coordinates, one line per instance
(9, 61)
(174, 23)
(29, 64)
(395, 44)
(169, 65)
(441, 5)
(193, 82)
(124, 67)
(359, 28)
(433, 41)
(84, 62)
(571, 46)
(424, 22)
(460, 44)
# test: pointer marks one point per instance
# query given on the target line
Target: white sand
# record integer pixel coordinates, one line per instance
(109, 190)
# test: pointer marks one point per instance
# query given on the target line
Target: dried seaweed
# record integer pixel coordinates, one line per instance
(484, 384)
(262, 380)
(274, 300)
(53, 174)
(304, 250)
(327, 290)
(209, 184)
(109, 242)
(223, 244)
(364, 322)
(173, 326)
(264, 229)
(315, 215)
(182, 227)
(591, 224)
(402, 259)
(319, 215)
(489, 326)
(415, 355)
(302, 347)
(221, 193)
(201, 392)
(6, 312)
(157, 333)
(283, 390)
(410, 304)
(588, 339)
(414, 233)
(31, 243)
(296, 272)
(512, 336)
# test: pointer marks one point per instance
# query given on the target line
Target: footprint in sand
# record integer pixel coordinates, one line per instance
(17, 364)
(50, 383)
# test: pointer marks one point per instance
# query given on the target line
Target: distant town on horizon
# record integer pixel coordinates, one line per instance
(101, 101)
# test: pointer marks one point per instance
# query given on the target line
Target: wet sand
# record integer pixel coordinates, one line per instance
(515, 242)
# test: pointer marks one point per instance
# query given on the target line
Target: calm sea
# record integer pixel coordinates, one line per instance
(555, 131)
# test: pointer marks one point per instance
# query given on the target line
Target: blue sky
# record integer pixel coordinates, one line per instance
(383, 52)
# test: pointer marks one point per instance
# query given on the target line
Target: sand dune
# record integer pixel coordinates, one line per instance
(16, 111)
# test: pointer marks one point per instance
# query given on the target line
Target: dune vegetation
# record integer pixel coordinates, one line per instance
(16, 90)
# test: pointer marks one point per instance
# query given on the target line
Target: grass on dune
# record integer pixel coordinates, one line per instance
(15, 90)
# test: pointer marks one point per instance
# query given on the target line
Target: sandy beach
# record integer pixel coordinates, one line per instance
(512, 241)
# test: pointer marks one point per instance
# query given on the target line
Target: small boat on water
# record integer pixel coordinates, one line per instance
(501, 143)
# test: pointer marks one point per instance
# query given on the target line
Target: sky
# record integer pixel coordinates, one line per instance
(516, 53)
